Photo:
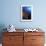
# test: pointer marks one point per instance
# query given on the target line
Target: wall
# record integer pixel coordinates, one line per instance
(10, 13)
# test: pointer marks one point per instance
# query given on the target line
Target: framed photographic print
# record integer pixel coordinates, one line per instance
(26, 12)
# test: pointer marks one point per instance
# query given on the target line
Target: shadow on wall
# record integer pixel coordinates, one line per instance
(2, 26)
